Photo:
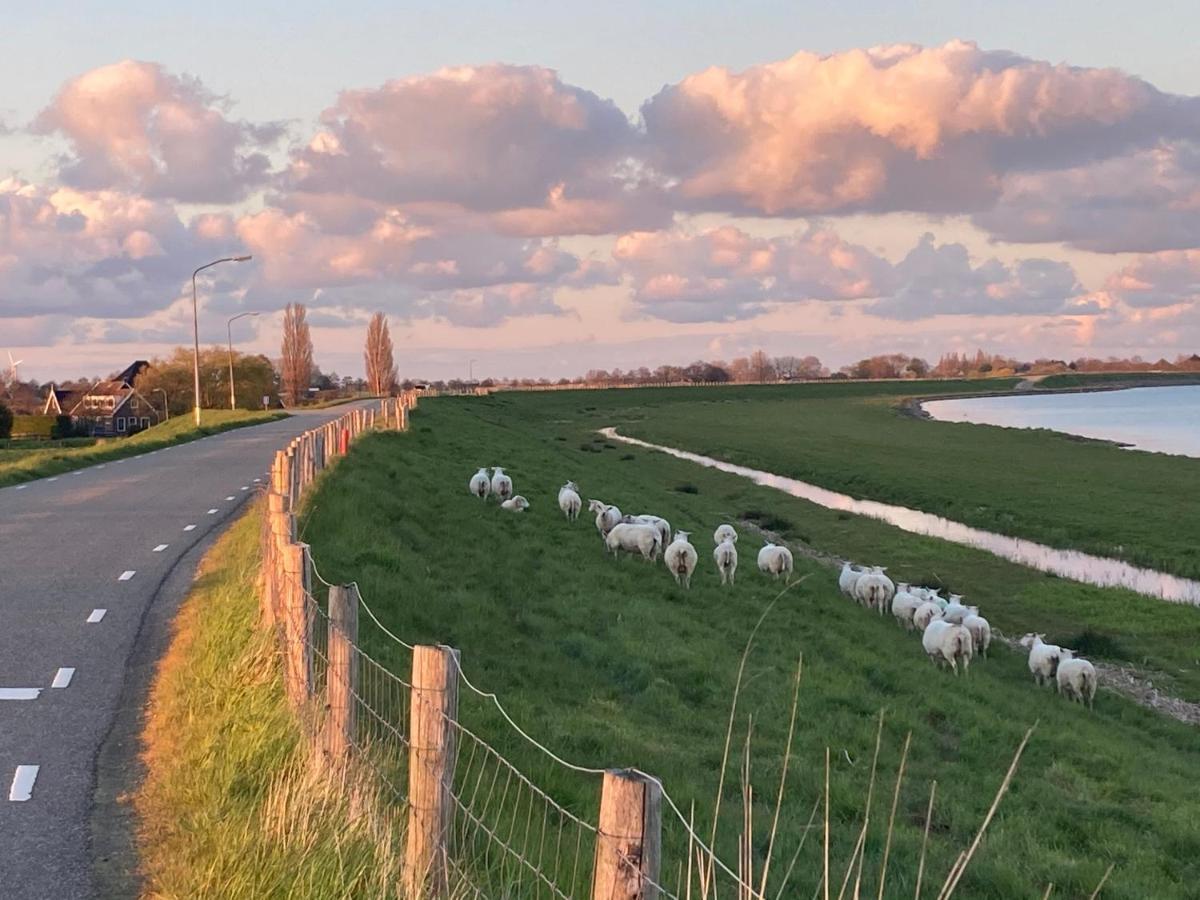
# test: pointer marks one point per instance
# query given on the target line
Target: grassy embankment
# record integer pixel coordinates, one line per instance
(611, 664)
(230, 807)
(32, 460)
(1117, 379)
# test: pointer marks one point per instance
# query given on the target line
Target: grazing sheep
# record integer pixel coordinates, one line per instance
(568, 500)
(945, 642)
(634, 538)
(924, 614)
(606, 516)
(726, 557)
(775, 560)
(875, 590)
(502, 485)
(980, 630)
(681, 558)
(1043, 658)
(515, 504)
(1077, 679)
(848, 579)
(954, 611)
(663, 526)
(724, 533)
(480, 484)
(904, 605)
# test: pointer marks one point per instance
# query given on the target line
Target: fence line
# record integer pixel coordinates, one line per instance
(475, 824)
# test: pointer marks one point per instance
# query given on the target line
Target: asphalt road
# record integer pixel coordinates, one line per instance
(114, 538)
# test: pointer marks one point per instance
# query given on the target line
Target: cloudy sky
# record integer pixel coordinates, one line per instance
(550, 187)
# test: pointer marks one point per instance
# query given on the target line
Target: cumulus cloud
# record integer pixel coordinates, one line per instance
(725, 274)
(895, 127)
(1169, 278)
(512, 143)
(133, 126)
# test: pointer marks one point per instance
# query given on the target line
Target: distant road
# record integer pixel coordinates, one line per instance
(86, 558)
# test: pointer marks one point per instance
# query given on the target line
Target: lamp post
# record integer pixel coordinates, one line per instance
(166, 407)
(229, 334)
(196, 330)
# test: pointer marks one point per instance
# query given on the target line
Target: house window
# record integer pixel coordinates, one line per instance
(133, 404)
(120, 423)
(145, 421)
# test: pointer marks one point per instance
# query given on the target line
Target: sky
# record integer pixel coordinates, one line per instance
(545, 188)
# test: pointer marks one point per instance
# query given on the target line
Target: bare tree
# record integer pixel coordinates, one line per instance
(296, 365)
(761, 368)
(381, 367)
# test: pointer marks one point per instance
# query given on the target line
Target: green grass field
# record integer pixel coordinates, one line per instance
(230, 806)
(31, 459)
(610, 664)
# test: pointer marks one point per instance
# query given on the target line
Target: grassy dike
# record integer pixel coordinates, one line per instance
(29, 462)
(230, 807)
(610, 664)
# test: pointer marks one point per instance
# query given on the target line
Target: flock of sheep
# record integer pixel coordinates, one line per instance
(647, 535)
(952, 633)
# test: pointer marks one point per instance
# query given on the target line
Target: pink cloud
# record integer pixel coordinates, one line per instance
(133, 126)
(896, 127)
(1169, 278)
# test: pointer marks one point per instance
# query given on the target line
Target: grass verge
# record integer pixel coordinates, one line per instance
(29, 461)
(610, 664)
(231, 805)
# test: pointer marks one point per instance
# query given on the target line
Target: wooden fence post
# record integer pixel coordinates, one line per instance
(628, 838)
(433, 707)
(298, 625)
(341, 680)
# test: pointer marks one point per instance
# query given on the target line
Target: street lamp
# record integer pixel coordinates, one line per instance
(229, 334)
(166, 408)
(196, 329)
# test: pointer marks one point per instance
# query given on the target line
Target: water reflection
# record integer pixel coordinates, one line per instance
(1065, 563)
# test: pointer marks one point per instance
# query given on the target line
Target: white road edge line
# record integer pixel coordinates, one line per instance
(96, 616)
(161, 547)
(189, 527)
(21, 487)
(55, 478)
(22, 783)
(127, 574)
(62, 677)
(19, 693)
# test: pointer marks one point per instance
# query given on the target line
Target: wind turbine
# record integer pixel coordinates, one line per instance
(12, 367)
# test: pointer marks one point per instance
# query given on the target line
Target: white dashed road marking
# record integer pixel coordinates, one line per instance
(245, 487)
(62, 678)
(101, 466)
(189, 527)
(21, 487)
(55, 478)
(96, 616)
(127, 574)
(22, 783)
(19, 693)
(212, 512)
(230, 497)
(161, 547)
(257, 480)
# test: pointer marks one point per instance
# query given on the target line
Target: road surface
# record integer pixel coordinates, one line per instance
(90, 562)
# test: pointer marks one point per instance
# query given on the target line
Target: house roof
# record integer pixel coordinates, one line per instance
(65, 398)
(110, 389)
(132, 371)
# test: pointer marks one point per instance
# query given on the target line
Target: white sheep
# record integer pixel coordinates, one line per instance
(480, 484)
(726, 557)
(1076, 679)
(568, 500)
(904, 605)
(681, 558)
(606, 516)
(848, 579)
(954, 611)
(724, 533)
(502, 485)
(980, 629)
(515, 504)
(1043, 658)
(924, 614)
(634, 538)
(775, 560)
(663, 526)
(875, 590)
(945, 642)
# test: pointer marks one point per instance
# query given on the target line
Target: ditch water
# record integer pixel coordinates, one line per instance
(1070, 564)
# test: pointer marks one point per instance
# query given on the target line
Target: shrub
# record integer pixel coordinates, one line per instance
(63, 427)
(688, 488)
(6, 422)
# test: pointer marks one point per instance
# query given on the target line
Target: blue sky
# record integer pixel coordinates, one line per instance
(288, 62)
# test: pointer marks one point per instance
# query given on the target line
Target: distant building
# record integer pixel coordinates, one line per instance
(109, 408)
